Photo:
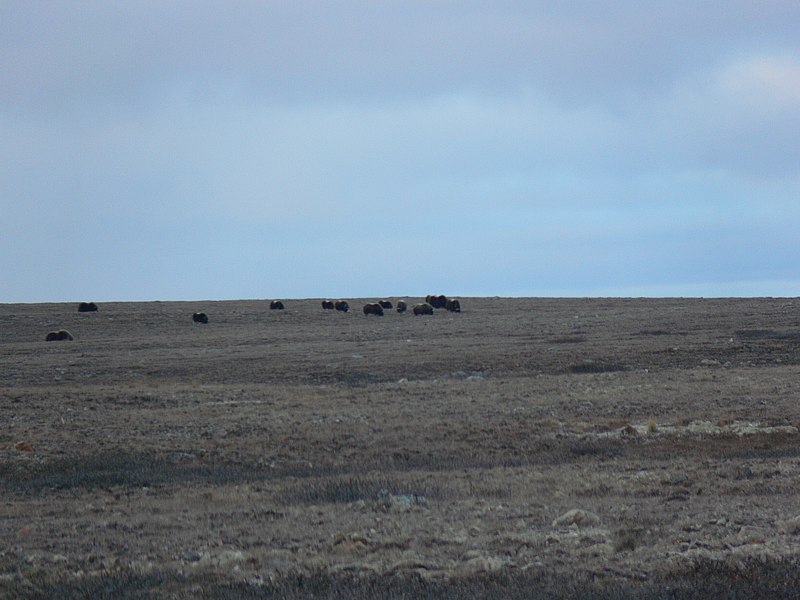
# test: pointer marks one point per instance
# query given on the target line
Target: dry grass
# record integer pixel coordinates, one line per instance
(749, 579)
(253, 457)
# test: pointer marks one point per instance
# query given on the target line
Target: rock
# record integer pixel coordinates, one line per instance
(401, 502)
(790, 526)
(578, 517)
(482, 564)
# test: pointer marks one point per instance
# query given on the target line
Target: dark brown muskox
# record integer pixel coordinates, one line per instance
(200, 317)
(401, 307)
(87, 307)
(276, 305)
(436, 301)
(61, 334)
(453, 305)
(373, 308)
(341, 306)
(327, 304)
(423, 309)
(385, 304)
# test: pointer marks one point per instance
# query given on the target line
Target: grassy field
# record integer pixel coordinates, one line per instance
(523, 448)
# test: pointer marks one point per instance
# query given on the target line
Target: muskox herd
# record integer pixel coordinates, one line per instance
(339, 305)
(444, 302)
(63, 334)
(426, 308)
(371, 308)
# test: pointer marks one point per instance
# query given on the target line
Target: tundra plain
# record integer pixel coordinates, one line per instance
(524, 447)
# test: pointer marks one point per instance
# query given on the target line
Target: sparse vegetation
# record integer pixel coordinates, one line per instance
(308, 453)
(751, 578)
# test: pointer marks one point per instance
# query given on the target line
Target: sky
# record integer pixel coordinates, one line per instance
(180, 150)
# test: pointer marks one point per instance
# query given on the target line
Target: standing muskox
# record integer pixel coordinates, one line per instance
(436, 301)
(341, 306)
(200, 317)
(276, 305)
(423, 309)
(327, 304)
(373, 308)
(401, 306)
(61, 334)
(385, 304)
(453, 305)
(87, 307)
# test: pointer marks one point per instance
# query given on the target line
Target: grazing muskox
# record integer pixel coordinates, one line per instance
(276, 305)
(327, 304)
(87, 307)
(341, 306)
(385, 304)
(61, 334)
(423, 309)
(436, 301)
(453, 305)
(373, 308)
(200, 317)
(401, 306)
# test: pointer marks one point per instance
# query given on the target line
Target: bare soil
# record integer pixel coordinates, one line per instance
(276, 450)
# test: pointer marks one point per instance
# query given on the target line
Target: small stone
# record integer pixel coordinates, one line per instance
(577, 516)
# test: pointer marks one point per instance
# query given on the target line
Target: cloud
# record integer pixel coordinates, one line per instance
(312, 144)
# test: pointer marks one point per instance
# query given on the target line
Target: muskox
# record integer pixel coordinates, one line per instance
(373, 308)
(341, 306)
(327, 304)
(61, 334)
(87, 307)
(385, 304)
(276, 305)
(453, 305)
(401, 306)
(423, 309)
(200, 317)
(436, 301)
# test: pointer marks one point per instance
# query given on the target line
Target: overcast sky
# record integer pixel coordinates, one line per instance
(220, 150)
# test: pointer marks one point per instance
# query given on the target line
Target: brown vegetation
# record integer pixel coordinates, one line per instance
(608, 448)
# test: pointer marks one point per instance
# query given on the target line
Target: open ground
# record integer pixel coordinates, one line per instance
(305, 451)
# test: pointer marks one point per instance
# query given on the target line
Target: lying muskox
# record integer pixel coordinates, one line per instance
(453, 305)
(341, 306)
(200, 317)
(373, 308)
(436, 301)
(87, 307)
(327, 304)
(423, 309)
(276, 305)
(401, 306)
(385, 304)
(61, 334)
